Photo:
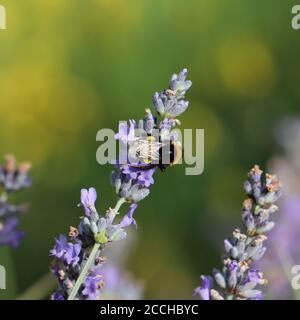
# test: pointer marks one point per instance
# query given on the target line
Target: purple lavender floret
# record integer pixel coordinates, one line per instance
(128, 218)
(131, 182)
(238, 279)
(170, 102)
(205, 287)
(13, 178)
(87, 200)
(8, 233)
(93, 284)
(57, 296)
(66, 251)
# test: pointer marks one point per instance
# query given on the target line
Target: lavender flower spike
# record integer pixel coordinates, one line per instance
(170, 102)
(87, 199)
(13, 177)
(238, 279)
(77, 260)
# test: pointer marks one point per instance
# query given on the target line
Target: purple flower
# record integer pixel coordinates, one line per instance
(205, 286)
(168, 123)
(158, 103)
(67, 252)
(128, 218)
(57, 296)
(72, 254)
(252, 276)
(145, 177)
(130, 172)
(123, 131)
(87, 199)
(92, 285)
(126, 133)
(149, 122)
(60, 246)
(237, 280)
(179, 82)
(251, 279)
(8, 233)
(231, 274)
(170, 102)
(13, 177)
(177, 108)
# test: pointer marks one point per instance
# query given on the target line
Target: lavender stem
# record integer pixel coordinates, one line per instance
(87, 266)
(84, 271)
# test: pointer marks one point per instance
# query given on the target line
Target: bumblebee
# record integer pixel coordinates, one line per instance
(150, 153)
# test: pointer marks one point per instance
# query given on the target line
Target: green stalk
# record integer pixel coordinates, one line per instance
(119, 204)
(84, 271)
(90, 260)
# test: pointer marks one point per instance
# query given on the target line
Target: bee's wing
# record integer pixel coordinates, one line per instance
(155, 147)
(148, 150)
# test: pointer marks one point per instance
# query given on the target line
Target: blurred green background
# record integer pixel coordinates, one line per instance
(69, 68)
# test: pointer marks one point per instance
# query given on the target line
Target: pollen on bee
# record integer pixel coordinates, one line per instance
(151, 138)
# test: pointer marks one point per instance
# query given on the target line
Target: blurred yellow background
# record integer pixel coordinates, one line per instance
(69, 68)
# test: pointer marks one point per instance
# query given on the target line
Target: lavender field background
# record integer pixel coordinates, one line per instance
(69, 68)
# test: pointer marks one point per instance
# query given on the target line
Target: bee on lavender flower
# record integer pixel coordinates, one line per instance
(151, 152)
